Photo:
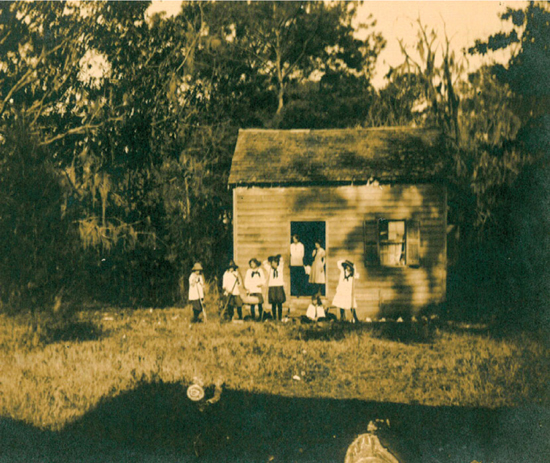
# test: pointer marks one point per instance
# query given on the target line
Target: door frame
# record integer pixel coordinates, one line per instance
(327, 244)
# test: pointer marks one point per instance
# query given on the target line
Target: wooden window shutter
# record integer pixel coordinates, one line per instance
(370, 238)
(413, 243)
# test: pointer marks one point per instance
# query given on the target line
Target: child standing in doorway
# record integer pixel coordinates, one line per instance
(276, 294)
(196, 291)
(297, 272)
(253, 281)
(345, 292)
(317, 273)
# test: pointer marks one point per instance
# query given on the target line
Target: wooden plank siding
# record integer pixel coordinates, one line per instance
(262, 218)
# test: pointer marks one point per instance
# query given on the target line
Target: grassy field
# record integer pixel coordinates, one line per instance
(53, 376)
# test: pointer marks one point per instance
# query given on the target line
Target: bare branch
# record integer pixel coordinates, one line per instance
(18, 85)
(76, 131)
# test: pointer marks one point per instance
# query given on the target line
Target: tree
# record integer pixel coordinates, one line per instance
(134, 159)
(43, 106)
(288, 41)
(528, 71)
(527, 75)
(165, 161)
(397, 103)
(477, 117)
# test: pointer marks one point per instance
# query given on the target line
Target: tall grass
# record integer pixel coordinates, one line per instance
(49, 378)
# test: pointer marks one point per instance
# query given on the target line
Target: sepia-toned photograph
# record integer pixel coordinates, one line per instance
(274, 231)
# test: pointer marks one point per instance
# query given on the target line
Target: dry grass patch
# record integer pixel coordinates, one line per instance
(49, 379)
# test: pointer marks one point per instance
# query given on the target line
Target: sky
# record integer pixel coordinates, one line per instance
(464, 21)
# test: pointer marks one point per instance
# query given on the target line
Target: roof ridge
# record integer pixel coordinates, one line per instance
(267, 156)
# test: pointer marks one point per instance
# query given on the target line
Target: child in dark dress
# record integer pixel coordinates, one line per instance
(276, 293)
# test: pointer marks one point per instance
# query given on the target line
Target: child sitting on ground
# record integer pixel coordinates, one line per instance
(316, 311)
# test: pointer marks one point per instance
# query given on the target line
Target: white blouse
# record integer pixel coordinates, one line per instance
(254, 280)
(231, 283)
(315, 311)
(196, 287)
(275, 275)
(297, 254)
(345, 291)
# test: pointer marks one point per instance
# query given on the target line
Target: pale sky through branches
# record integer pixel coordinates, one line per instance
(464, 22)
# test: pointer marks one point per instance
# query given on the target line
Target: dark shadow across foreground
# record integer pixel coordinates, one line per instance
(158, 423)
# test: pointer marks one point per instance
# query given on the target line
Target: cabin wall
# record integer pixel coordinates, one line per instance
(262, 218)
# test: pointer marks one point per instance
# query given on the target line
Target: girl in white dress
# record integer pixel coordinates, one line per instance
(317, 273)
(345, 292)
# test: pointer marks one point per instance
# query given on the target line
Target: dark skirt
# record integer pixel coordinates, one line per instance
(235, 301)
(298, 281)
(276, 295)
(259, 296)
(196, 304)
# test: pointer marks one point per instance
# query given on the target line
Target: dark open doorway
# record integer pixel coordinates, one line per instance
(300, 282)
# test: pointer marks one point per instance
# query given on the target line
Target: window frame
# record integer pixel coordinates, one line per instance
(412, 241)
(388, 242)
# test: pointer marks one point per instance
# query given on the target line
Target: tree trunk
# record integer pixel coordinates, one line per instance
(281, 98)
(280, 76)
(187, 201)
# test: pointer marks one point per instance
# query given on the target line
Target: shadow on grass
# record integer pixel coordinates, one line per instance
(405, 332)
(46, 329)
(72, 330)
(157, 422)
(408, 332)
(497, 330)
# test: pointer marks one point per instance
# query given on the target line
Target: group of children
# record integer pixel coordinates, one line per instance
(238, 292)
(249, 291)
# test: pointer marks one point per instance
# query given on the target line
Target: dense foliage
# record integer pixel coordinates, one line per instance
(117, 130)
(527, 74)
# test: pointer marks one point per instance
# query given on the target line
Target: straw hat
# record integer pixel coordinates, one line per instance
(348, 263)
(195, 392)
(196, 267)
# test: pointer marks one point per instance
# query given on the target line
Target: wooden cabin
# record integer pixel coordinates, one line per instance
(371, 196)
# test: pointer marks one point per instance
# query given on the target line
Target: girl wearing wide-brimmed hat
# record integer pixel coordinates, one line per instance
(345, 292)
(196, 291)
(253, 281)
(276, 293)
(232, 284)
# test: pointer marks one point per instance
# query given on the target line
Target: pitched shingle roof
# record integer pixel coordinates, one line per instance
(335, 156)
